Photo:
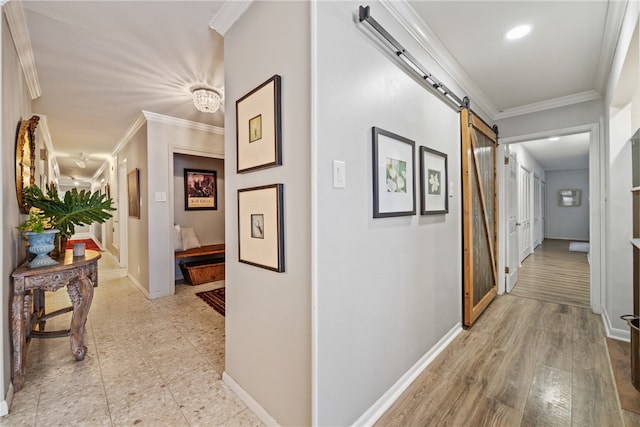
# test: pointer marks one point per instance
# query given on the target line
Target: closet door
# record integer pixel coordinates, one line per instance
(480, 217)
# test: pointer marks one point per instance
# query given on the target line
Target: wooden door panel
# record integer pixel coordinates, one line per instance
(480, 206)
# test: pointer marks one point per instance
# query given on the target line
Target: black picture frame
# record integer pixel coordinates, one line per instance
(434, 178)
(394, 179)
(200, 190)
(259, 127)
(262, 244)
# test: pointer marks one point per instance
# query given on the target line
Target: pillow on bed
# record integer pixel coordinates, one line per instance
(177, 238)
(189, 238)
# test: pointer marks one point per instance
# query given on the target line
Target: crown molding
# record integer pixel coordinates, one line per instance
(426, 38)
(160, 118)
(613, 24)
(228, 15)
(20, 34)
(563, 101)
(101, 169)
(135, 126)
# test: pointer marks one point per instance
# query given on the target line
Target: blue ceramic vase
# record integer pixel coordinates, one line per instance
(41, 244)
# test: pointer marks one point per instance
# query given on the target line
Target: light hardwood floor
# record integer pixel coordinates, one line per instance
(555, 274)
(525, 362)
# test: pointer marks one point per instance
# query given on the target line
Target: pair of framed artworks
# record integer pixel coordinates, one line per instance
(259, 146)
(394, 192)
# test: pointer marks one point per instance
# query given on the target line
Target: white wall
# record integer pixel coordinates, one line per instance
(268, 321)
(138, 257)
(16, 105)
(208, 224)
(623, 118)
(167, 136)
(571, 223)
(387, 289)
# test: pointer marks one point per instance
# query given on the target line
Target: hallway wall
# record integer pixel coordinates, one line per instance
(16, 105)
(570, 223)
(622, 119)
(388, 289)
(268, 321)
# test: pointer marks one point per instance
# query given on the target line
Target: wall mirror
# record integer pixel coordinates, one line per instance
(568, 197)
(25, 159)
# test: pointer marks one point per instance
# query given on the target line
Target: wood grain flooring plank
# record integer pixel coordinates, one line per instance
(526, 361)
(549, 401)
(554, 274)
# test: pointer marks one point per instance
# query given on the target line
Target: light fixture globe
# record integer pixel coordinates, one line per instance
(206, 100)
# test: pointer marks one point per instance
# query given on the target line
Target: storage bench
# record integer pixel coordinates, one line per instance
(208, 267)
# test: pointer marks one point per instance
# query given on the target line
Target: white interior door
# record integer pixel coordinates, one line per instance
(524, 213)
(537, 211)
(544, 210)
(513, 260)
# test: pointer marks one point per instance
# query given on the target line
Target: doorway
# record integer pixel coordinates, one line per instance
(541, 174)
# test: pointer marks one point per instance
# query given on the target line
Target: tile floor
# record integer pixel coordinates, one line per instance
(154, 363)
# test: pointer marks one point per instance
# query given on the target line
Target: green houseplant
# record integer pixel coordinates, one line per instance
(77, 208)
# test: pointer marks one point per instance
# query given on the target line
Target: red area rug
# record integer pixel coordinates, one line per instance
(215, 299)
(89, 244)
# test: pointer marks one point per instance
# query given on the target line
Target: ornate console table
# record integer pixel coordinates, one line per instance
(28, 317)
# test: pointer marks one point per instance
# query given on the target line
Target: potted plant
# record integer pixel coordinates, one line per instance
(36, 229)
(77, 208)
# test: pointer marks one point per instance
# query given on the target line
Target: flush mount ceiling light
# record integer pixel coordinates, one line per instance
(206, 100)
(518, 32)
(554, 138)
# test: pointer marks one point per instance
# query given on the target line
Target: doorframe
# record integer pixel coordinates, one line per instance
(597, 160)
(123, 215)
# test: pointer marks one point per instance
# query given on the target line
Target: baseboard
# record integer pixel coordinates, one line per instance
(374, 413)
(249, 401)
(138, 285)
(615, 333)
(6, 403)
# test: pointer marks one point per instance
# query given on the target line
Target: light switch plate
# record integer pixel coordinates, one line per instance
(161, 196)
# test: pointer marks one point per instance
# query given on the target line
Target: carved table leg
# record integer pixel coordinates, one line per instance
(81, 294)
(19, 315)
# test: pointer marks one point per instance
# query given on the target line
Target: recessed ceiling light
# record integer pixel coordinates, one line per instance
(554, 138)
(518, 32)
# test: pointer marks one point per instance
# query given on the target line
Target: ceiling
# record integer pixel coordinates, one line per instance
(100, 63)
(568, 152)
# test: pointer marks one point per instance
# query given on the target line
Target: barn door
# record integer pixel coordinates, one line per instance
(480, 220)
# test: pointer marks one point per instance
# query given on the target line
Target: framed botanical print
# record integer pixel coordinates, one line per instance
(258, 127)
(261, 226)
(393, 175)
(200, 189)
(434, 198)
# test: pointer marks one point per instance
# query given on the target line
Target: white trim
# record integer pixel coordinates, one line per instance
(146, 293)
(228, 14)
(315, 356)
(48, 142)
(128, 134)
(374, 413)
(160, 118)
(612, 27)
(20, 34)
(418, 29)
(547, 133)
(549, 104)
(6, 403)
(616, 334)
(254, 406)
(194, 152)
